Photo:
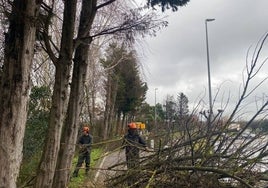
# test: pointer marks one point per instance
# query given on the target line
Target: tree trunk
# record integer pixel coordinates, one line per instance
(48, 163)
(111, 93)
(71, 125)
(112, 111)
(123, 123)
(15, 85)
(119, 130)
(108, 102)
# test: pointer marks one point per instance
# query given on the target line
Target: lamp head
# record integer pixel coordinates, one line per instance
(210, 19)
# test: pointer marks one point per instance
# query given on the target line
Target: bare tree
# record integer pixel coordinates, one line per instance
(223, 155)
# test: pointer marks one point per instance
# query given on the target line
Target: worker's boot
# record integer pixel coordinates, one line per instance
(87, 168)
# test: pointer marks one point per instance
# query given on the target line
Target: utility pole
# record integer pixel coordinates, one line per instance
(209, 80)
(155, 107)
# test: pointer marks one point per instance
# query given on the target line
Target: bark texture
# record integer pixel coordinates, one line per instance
(71, 125)
(63, 65)
(15, 86)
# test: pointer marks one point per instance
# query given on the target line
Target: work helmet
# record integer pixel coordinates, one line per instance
(132, 125)
(86, 129)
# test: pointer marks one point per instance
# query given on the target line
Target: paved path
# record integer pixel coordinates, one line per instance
(109, 160)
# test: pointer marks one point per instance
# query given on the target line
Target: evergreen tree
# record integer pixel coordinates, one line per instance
(170, 106)
(182, 109)
(182, 104)
(167, 4)
(125, 91)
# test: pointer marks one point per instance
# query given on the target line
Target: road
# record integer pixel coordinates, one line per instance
(109, 160)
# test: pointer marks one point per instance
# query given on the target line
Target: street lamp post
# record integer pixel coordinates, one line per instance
(209, 81)
(155, 107)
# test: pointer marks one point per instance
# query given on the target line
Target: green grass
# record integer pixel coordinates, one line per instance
(79, 181)
(27, 170)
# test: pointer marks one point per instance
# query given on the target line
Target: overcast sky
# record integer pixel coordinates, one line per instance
(175, 60)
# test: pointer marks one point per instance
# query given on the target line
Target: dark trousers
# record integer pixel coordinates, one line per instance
(82, 157)
(133, 162)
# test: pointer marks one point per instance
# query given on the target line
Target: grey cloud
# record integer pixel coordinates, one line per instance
(178, 62)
